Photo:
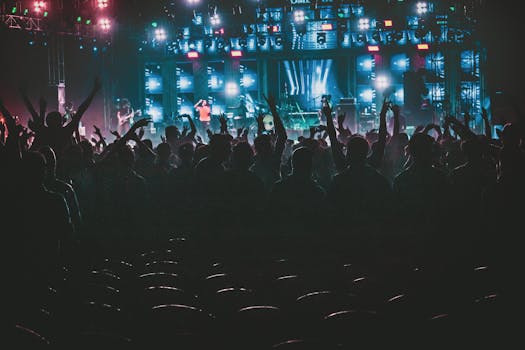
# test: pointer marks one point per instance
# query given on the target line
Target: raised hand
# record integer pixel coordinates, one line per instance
(115, 133)
(141, 133)
(270, 100)
(209, 133)
(141, 123)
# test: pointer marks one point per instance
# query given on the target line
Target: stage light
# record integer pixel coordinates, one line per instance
(215, 20)
(104, 24)
(363, 24)
(367, 95)
(278, 40)
(193, 54)
(388, 23)
(382, 82)
(232, 89)
(160, 34)
(298, 16)
(274, 29)
(421, 8)
(422, 46)
(39, 6)
(367, 64)
(192, 2)
(79, 19)
(321, 38)
(236, 53)
(327, 26)
(373, 48)
(13, 10)
(102, 4)
(88, 21)
(376, 36)
(261, 40)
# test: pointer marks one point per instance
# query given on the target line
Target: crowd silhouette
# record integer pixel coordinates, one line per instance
(443, 197)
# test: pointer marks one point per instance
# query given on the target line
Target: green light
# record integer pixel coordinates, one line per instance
(452, 8)
(46, 13)
(13, 10)
(154, 24)
(26, 11)
(88, 21)
(79, 19)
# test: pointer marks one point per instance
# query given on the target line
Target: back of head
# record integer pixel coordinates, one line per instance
(511, 135)
(302, 161)
(164, 151)
(242, 155)
(471, 149)
(220, 147)
(186, 152)
(357, 149)
(171, 132)
(263, 145)
(34, 168)
(54, 120)
(420, 148)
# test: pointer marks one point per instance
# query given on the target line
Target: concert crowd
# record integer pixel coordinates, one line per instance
(442, 199)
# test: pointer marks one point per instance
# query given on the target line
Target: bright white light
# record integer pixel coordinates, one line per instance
(247, 81)
(39, 6)
(215, 20)
(186, 110)
(367, 95)
(298, 16)
(192, 2)
(160, 34)
(153, 84)
(400, 95)
(367, 64)
(382, 82)
(232, 89)
(184, 83)
(318, 70)
(104, 24)
(214, 82)
(319, 88)
(102, 4)
(155, 113)
(363, 24)
(421, 8)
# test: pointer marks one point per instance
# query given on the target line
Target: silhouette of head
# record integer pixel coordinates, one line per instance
(220, 147)
(420, 148)
(204, 102)
(242, 155)
(263, 145)
(164, 151)
(186, 152)
(511, 135)
(126, 157)
(87, 151)
(34, 168)
(54, 120)
(357, 149)
(302, 161)
(171, 132)
(472, 149)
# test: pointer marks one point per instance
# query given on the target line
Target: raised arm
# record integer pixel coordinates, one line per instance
(397, 125)
(27, 103)
(486, 122)
(279, 127)
(460, 129)
(85, 105)
(337, 150)
(379, 151)
(193, 128)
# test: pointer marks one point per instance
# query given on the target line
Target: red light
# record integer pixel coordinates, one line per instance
(388, 23)
(39, 6)
(422, 46)
(193, 54)
(327, 26)
(236, 53)
(102, 4)
(275, 29)
(373, 48)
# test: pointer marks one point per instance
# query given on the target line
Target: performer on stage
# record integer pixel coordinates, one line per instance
(125, 115)
(204, 110)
